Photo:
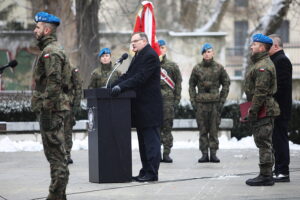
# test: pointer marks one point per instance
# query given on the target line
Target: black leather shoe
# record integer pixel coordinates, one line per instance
(69, 161)
(147, 179)
(134, 178)
(166, 159)
(261, 180)
(281, 178)
(203, 159)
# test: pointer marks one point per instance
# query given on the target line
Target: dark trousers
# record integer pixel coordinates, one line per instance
(149, 146)
(281, 146)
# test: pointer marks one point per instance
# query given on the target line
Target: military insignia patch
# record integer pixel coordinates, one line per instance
(47, 55)
(261, 69)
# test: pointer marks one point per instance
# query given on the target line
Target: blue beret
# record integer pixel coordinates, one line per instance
(104, 51)
(46, 17)
(161, 42)
(205, 47)
(262, 38)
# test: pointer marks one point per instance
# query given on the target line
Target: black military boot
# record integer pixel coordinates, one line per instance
(204, 158)
(213, 157)
(261, 180)
(166, 158)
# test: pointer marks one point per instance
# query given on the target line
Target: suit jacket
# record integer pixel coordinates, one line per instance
(284, 72)
(143, 76)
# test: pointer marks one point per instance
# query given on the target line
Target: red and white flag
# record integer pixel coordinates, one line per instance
(145, 22)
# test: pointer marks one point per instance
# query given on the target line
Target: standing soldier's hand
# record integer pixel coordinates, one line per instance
(176, 103)
(220, 107)
(194, 105)
(76, 110)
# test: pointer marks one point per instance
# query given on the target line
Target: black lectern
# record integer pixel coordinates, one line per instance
(109, 140)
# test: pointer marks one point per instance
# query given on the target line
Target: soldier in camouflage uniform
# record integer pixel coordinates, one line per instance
(260, 86)
(171, 93)
(74, 94)
(50, 102)
(208, 101)
(101, 73)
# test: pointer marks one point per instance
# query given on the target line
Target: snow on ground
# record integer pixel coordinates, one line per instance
(8, 145)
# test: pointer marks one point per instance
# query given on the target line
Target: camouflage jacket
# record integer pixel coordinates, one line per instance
(75, 91)
(173, 72)
(101, 74)
(208, 77)
(260, 85)
(48, 77)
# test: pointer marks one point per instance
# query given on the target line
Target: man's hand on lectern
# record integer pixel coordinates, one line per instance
(115, 91)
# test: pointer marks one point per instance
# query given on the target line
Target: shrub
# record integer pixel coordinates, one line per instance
(16, 107)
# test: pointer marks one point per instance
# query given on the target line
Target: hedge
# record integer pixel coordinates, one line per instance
(16, 107)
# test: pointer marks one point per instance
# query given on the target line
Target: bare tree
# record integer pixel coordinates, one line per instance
(87, 35)
(188, 15)
(215, 20)
(268, 24)
(78, 31)
(67, 30)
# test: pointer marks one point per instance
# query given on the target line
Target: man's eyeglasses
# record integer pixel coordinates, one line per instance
(135, 41)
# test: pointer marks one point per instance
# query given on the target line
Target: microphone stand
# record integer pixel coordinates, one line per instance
(116, 65)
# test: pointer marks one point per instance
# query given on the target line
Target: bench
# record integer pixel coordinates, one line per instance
(81, 126)
(188, 124)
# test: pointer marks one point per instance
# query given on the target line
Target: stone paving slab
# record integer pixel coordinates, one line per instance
(25, 176)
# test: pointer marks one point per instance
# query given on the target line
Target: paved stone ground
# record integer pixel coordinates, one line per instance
(25, 176)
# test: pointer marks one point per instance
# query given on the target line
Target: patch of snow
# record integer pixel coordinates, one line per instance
(8, 145)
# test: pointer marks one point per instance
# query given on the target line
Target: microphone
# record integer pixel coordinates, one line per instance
(11, 64)
(123, 57)
(117, 64)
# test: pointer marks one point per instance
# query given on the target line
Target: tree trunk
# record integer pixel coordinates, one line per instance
(87, 36)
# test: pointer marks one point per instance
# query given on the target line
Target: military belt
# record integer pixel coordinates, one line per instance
(215, 90)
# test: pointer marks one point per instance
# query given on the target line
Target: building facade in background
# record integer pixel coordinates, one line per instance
(177, 23)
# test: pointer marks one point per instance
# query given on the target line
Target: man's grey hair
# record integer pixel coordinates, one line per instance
(276, 39)
(142, 35)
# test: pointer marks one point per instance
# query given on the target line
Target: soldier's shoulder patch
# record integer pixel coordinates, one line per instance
(47, 55)
(261, 69)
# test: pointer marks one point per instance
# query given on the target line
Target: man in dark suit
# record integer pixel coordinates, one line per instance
(284, 98)
(143, 76)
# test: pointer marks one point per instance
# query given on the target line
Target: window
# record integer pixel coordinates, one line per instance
(240, 34)
(238, 73)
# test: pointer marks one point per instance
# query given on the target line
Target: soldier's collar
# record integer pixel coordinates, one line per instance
(258, 56)
(44, 41)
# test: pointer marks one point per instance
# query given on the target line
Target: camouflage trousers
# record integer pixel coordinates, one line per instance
(262, 132)
(69, 122)
(52, 131)
(208, 124)
(166, 136)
